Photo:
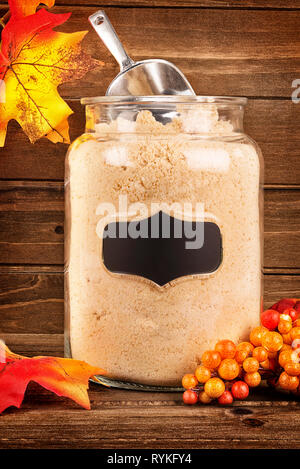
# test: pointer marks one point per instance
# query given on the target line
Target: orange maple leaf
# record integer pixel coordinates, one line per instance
(63, 376)
(28, 7)
(34, 60)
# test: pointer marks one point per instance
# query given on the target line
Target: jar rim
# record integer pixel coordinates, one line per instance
(178, 99)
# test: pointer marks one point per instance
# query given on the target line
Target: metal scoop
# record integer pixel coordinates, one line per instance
(144, 78)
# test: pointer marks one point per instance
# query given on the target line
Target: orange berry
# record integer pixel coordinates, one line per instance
(272, 341)
(288, 382)
(189, 381)
(204, 398)
(247, 346)
(214, 387)
(202, 374)
(285, 324)
(211, 359)
(260, 353)
(296, 323)
(241, 355)
(265, 364)
(251, 365)
(287, 338)
(284, 380)
(284, 357)
(294, 383)
(295, 333)
(226, 348)
(285, 347)
(257, 334)
(229, 369)
(272, 354)
(292, 368)
(284, 327)
(252, 379)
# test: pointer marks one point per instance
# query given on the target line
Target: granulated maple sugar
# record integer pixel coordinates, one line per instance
(128, 325)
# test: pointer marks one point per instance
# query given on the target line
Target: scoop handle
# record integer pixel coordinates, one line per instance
(106, 32)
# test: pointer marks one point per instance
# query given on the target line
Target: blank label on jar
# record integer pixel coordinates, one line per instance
(162, 248)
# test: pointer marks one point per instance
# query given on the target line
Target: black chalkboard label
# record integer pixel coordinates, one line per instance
(162, 248)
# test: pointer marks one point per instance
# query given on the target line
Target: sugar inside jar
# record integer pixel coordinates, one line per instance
(163, 235)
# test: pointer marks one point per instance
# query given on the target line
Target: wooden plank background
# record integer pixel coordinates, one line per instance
(235, 47)
(121, 419)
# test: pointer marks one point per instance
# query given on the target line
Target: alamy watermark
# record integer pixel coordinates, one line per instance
(137, 216)
(296, 93)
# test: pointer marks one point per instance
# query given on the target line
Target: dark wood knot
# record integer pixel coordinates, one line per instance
(241, 411)
(59, 229)
(253, 422)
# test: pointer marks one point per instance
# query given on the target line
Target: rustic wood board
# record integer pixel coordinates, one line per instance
(252, 53)
(222, 51)
(126, 419)
(35, 344)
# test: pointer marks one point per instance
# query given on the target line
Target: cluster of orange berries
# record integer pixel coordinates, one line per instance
(272, 353)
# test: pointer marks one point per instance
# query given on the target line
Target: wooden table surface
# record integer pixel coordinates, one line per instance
(130, 420)
(233, 47)
(122, 419)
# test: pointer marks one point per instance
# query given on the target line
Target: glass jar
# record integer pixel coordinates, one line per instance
(163, 235)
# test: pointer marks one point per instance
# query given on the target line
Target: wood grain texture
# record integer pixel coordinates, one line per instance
(32, 302)
(126, 419)
(280, 286)
(239, 52)
(274, 124)
(35, 344)
(32, 215)
(282, 235)
(149, 420)
(222, 52)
